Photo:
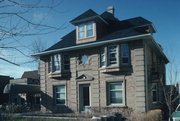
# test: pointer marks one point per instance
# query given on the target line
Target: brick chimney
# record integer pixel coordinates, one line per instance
(110, 9)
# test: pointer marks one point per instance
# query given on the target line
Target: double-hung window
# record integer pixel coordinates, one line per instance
(112, 55)
(116, 95)
(154, 92)
(56, 62)
(66, 62)
(60, 95)
(85, 30)
(102, 58)
(125, 54)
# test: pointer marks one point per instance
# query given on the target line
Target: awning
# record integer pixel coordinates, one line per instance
(21, 88)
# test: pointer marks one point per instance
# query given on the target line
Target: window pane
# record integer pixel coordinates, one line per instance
(112, 55)
(89, 32)
(81, 35)
(89, 25)
(115, 93)
(81, 31)
(60, 94)
(124, 54)
(116, 86)
(66, 62)
(56, 62)
(102, 57)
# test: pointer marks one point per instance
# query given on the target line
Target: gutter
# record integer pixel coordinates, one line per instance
(93, 44)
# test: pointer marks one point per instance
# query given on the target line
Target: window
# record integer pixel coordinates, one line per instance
(124, 54)
(81, 31)
(85, 30)
(112, 54)
(154, 92)
(66, 62)
(115, 93)
(56, 62)
(60, 95)
(83, 59)
(102, 58)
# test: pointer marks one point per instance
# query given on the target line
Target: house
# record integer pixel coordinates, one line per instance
(24, 90)
(4, 80)
(104, 64)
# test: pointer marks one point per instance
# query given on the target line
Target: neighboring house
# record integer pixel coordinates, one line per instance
(4, 80)
(105, 64)
(24, 90)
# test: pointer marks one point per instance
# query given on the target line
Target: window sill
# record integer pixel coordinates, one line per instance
(58, 74)
(116, 105)
(110, 69)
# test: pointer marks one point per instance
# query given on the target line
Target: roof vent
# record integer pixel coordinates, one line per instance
(110, 9)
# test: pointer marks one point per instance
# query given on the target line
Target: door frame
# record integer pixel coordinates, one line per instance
(81, 107)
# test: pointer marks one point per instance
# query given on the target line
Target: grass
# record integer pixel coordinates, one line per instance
(37, 119)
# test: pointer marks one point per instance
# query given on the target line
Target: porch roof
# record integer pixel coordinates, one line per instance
(21, 88)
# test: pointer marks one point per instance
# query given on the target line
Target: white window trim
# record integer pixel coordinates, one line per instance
(108, 55)
(55, 95)
(123, 94)
(85, 31)
(121, 55)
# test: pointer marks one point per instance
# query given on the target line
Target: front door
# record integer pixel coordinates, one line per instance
(84, 96)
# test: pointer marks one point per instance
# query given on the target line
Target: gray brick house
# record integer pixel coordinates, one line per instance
(104, 64)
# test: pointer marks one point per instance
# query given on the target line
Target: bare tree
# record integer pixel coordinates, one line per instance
(171, 91)
(17, 23)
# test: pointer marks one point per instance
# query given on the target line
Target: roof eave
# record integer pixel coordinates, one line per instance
(131, 38)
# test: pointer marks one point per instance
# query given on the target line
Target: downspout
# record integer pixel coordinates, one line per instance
(146, 77)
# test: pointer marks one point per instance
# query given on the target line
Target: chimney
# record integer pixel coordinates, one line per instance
(110, 9)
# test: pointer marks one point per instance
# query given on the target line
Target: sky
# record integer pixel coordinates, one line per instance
(163, 13)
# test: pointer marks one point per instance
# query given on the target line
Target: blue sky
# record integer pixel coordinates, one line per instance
(163, 13)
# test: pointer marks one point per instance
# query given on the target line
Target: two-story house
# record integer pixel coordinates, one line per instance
(104, 64)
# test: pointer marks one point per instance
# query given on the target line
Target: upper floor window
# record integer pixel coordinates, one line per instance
(56, 62)
(66, 62)
(85, 30)
(112, 55)
(102, 58)
(154, 92)
(124, 54)
(60, 95)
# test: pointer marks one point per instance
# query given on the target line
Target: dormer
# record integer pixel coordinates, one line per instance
(86, 26)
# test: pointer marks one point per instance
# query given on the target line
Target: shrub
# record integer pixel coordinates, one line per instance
(153, 115)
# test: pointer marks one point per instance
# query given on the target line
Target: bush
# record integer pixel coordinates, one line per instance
(153, 115)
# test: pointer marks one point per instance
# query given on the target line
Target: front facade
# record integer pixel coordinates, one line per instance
(104, 65)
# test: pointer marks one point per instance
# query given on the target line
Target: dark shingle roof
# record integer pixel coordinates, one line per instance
(31, 74)
(86, 15)
(70, 39)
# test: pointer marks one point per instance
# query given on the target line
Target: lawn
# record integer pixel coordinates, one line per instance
(37, 119)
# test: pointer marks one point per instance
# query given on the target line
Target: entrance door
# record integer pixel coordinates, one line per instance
(84, 96)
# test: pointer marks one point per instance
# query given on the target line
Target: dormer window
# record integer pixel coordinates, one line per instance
(85, 30)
